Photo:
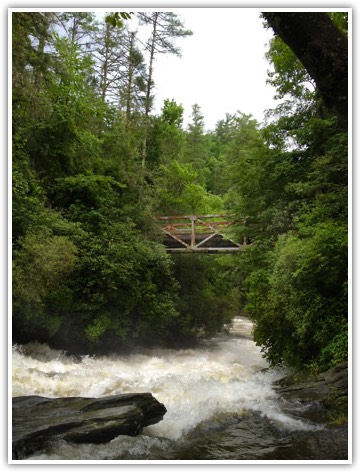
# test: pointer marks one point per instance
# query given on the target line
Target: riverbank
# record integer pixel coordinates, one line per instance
(324, 397)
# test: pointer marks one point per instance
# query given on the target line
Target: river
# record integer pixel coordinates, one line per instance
(220, 400)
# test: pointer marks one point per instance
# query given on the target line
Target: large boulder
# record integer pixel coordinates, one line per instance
(37, 420)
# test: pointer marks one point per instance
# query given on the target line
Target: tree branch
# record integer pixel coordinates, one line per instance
(323, 50)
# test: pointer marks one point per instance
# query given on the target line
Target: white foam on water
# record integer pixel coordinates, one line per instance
(223, 377)
(139, 447)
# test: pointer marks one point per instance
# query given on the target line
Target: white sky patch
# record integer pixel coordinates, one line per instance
(223, 67)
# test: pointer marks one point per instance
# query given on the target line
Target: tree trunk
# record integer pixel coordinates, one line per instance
(323, 50)
(104, 72)
(148, 93)
(40, 53)
(130, 80)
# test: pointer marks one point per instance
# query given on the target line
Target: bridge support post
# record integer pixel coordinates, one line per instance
(193, 239)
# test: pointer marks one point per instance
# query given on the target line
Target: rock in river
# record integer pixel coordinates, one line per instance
(326, 392)
(37, 420)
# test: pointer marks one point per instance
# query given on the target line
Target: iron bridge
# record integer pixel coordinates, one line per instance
(198, 233)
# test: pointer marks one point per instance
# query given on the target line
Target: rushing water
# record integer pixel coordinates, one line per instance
(219, 398)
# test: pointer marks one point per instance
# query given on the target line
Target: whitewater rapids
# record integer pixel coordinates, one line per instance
(224, 378)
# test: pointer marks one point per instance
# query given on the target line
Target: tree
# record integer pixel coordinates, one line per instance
(323, 50)
(171, 134)
(63, 139)
(179, 192)
(172, 113)
(89, 272)
(196, 149)
(165, 27)
(289, 76)
(217, 143)
(78, 28)
(41, 270)
(31, 62)
(303, 307)
(131, 94)
(293, 278)
(117, 18)
(108, 58)
(207, 304)
(120, 67)
(290, 181)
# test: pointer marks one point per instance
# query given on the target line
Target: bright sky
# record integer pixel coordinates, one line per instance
(223, 67)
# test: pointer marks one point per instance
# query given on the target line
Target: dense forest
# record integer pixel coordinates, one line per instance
(93, 165)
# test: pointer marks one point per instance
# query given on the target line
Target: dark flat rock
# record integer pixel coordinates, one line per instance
(327, 392)
(333, 381)
(37, 420)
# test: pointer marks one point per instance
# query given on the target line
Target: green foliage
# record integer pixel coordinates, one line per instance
(290, 182)
(123, 286)
(172, 113)
(62, 140)
(170, 137)
(295, 281)
(341, 20)
(207, 300)
(89, 272)
(116, 19)
(89, 199)
(288, 75)
(77, 25)
(41, 269)
(26, 191)
(179, 193)
(336, 352)
(166, 27)
(304, 296)
(258, 179)
(196, 147)
(119, 155)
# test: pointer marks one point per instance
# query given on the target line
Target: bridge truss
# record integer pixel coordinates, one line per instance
(198, 233)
